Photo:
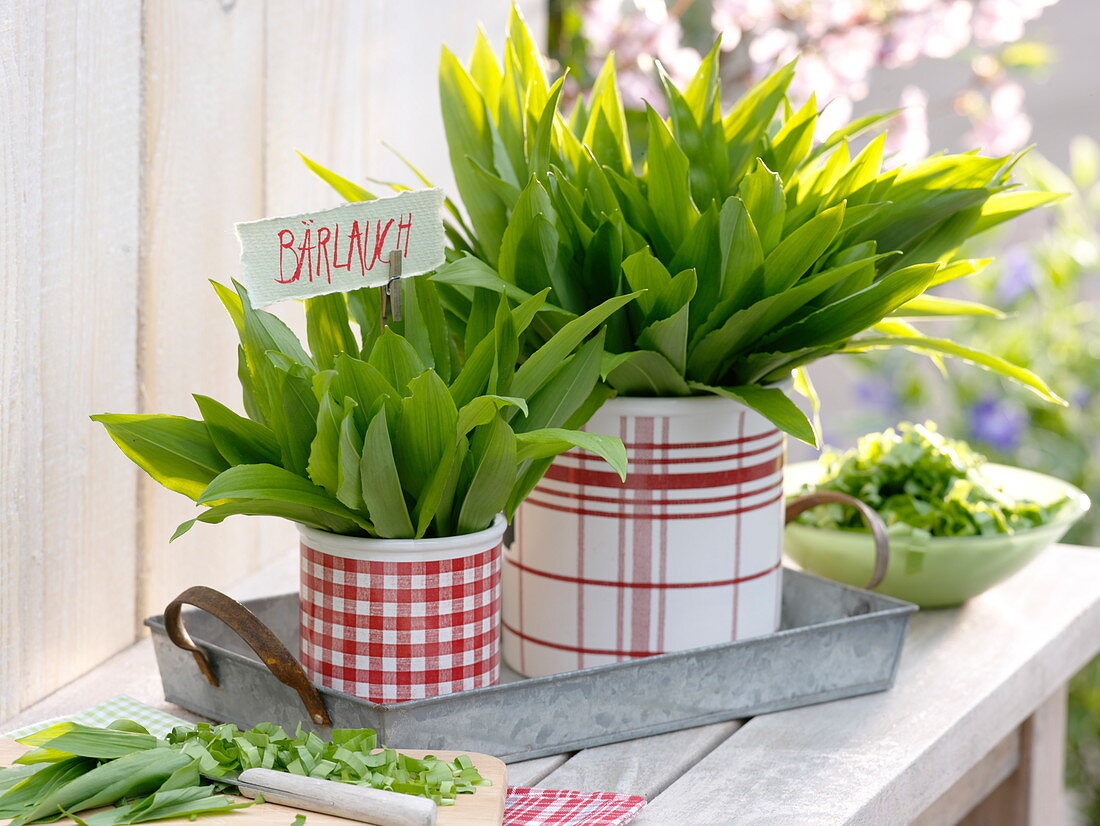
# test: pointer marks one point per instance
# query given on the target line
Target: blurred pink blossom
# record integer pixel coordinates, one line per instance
(1003, 127)
(836, 14)
(915, 6)
(773, 46)
(815, 76)
(731, 17)
(839, 44)
(851, 54)
(638, 32)
(1002, 21)
(907, 140)
(940, 30)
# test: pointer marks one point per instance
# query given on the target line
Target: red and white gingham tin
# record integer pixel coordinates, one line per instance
(390, 620)
(685, 553)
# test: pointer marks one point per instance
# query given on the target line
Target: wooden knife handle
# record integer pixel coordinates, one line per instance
(340, 799)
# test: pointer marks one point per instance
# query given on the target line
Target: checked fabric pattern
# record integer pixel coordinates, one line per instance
(557, 807)
(390, 631)
(156, 722)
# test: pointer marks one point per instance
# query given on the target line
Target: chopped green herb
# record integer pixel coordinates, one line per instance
(300, 820)
(351, 756)
(72, 768)
(922, 483)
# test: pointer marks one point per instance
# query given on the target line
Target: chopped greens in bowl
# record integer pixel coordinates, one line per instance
(923, 484)
(956, 524)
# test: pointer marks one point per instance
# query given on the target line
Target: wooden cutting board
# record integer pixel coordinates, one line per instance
(483, 808)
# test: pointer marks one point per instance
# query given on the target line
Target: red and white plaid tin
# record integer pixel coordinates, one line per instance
(685, 553)
(390, 620)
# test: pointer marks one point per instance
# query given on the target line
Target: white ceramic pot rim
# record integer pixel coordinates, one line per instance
(676, 405)
(667, 405)
(404, 550)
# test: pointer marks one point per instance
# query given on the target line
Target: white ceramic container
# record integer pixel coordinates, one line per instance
(685, 553)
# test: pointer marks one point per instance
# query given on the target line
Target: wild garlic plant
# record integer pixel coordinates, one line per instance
(759, 248)
(386, 432)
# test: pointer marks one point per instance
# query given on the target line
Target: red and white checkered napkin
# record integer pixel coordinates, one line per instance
(557, 807)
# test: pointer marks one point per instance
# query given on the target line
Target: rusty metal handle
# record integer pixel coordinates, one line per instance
(258, 636)
(798, 506)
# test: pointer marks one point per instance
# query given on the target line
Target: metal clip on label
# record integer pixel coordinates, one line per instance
(391, 291)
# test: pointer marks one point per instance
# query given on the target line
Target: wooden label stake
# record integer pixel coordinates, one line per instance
(391, 291)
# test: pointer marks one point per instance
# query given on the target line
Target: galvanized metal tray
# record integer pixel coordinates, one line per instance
(835, 641)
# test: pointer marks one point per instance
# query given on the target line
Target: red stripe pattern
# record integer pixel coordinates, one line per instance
(390, 631)
(536, 500)
(661, 585)
(638, 480)
(684, 552)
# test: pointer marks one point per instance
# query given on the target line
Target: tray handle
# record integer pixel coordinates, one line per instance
(878, 528)
(258, 636)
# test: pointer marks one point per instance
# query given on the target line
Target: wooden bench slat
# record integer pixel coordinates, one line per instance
(646, 766)
(968, 677)
(531, 772)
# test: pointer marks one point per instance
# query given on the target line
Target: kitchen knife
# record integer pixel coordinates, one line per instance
(362, 803)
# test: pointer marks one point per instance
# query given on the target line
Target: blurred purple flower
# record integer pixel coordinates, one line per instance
(1018, 274)
(879, 394)
(998, 423)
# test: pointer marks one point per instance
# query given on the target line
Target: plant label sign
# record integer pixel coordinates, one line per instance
(341, 249)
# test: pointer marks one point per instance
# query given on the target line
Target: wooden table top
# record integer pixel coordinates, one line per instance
(968, 678)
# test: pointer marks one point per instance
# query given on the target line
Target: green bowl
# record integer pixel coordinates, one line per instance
(937, 571)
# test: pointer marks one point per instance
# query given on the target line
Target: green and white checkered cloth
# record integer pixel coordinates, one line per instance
(159, 723)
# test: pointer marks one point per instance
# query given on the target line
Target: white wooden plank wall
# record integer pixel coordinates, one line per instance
(321, 62)
(132, 137)
(343, 77)
(69, 127)
(204, 169)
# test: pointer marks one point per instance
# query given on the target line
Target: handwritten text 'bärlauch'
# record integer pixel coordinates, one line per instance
(319, 252)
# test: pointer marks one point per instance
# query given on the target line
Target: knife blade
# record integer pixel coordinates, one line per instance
(362, 803)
